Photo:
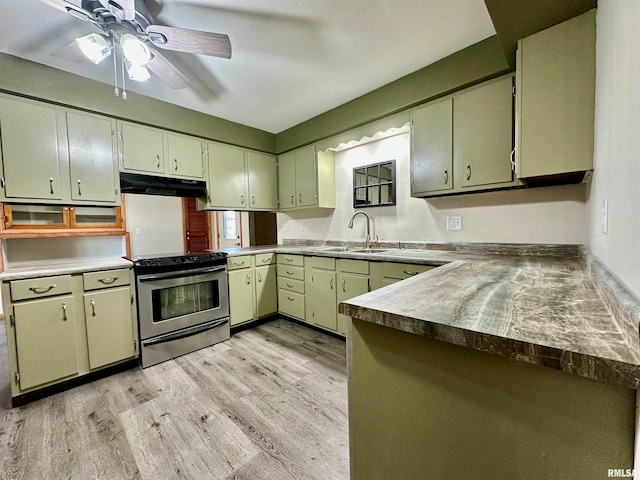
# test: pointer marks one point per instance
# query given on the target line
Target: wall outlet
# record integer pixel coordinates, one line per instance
(605, 216)
(454, 223)
(138, 232)
(300, 226)
(285, 227)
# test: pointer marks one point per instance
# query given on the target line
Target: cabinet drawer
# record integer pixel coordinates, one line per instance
(40, 287)
(324, 263)
(265, 259)
(352, 266)
(106, 279)
(234, 263)
(291, 284)
(285, 259)
(403, 270)
(291, 303)
(290, 272)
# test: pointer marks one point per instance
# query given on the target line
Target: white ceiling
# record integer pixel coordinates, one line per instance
(292, 59)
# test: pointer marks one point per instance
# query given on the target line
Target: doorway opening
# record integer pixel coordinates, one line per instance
(196, 227)
(229, 229)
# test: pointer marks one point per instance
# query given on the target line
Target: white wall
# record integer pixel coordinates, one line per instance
(541, 215)
(617, 140)
(159, 219)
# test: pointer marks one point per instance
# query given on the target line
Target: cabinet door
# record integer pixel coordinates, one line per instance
(321, 298)
(266, 290)
(349, 286)
(431, 148)
(92, 158)
(45, 340)
(142, 148)
(30, 150)
(263, 181)
(227, 180)
(185, 156)
(483, 126)
(287, 181)
(240, 296)
(306, 176)
(109, 326)
(555, 98)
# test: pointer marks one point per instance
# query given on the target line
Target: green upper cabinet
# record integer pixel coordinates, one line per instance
(32, 134)
(287, 181)
(555, 96)
(92, 158)
(306, 178)
(464, 142)
(262, 181)
(483, 132)
(185, 156)
(432, 148)
(141, 148)
(227, 182)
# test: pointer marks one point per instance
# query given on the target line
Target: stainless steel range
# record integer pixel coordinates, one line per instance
(183, 304)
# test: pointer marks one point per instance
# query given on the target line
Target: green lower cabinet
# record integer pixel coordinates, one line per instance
(45, 338)
(266, 290)
(321, 300)
(349, 285)
(241, 295)
(109, 326)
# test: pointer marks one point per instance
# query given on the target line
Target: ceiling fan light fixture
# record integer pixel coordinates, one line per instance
(95, 47)
(139, 73)
(135, 51)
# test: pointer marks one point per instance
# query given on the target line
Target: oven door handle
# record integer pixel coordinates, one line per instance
(186, 332)
(182, 274)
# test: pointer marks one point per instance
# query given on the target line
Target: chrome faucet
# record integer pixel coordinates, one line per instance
(367, 240)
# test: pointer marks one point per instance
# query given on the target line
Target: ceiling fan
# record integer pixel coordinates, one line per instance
(127, 28)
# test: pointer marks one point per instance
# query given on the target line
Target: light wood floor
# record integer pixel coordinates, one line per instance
(271, 403)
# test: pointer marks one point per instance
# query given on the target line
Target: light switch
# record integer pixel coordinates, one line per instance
(605, 216)
(285, 227)
(454, 223)
(300, 226)
(138, 232)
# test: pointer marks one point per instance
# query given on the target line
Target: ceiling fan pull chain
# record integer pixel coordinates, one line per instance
(124, 87)
(116, 92)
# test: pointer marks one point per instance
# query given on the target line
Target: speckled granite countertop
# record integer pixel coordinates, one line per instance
(546, 305)
(63, 267)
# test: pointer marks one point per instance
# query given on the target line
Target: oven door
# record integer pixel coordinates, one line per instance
(172, 301)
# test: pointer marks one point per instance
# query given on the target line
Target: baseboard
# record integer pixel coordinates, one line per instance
(312, 327)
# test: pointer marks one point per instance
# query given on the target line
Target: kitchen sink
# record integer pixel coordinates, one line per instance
(369, 250)
(330, 249)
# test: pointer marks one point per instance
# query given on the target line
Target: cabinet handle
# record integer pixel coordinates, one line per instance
(260, 277)
(288, 259)
(290, 299)
(107, 281)
(176, 161)
(158, 157)
(93, 308)
(253, 199)
(51, 186)
(468, 172)
(289, 273)
(42, 289)
(300, 198)
(446, 176)
(266, 260)
(512, 157)
(242, 199)
(64, 312)
(293, 199)
(343, 286)
(248, 279)
(410, 273)
(79, 190)
(331, 283)
(239, 263)
(289, 285)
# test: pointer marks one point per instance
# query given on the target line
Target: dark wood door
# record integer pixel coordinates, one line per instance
(197, 227)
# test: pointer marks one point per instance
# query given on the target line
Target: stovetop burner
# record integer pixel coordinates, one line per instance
(167, 263)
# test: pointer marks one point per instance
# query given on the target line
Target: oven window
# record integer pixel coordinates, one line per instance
(182, 300)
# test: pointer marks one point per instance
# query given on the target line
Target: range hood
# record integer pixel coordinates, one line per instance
(151, 185)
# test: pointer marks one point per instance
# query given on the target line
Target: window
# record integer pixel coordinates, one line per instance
(374, 185)
(229, 223)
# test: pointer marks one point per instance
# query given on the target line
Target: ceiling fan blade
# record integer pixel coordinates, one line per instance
(166, 71)
(190, 41)
(68, 7)
(70, 52)
(121, 9)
